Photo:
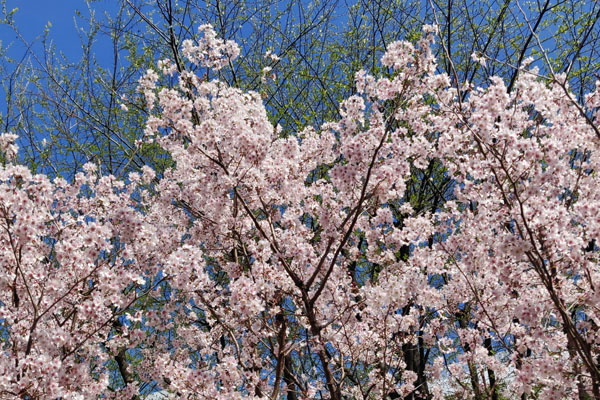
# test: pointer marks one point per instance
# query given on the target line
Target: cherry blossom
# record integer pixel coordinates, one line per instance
(268, 264)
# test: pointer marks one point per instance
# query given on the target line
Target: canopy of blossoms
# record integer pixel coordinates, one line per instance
(267, 265)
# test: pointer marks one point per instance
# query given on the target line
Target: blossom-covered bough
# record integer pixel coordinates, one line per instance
(270, 266)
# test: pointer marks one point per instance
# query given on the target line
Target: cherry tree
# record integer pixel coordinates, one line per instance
(265, 265)
(66, 277)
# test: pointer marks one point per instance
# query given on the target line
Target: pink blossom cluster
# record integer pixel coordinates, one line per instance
(210, 52)
(65, 279)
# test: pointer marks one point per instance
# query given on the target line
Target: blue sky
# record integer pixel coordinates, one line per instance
(33, 15)
(30, 19)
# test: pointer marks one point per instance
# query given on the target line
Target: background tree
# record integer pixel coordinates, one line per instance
(76, 105)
